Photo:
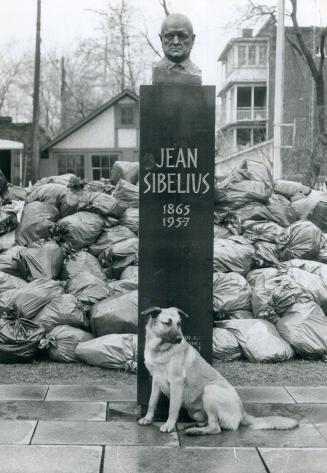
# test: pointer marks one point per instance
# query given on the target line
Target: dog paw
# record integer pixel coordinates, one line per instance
(145, 421)
(167, 427)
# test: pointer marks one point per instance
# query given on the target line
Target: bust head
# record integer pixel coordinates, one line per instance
(177, 37)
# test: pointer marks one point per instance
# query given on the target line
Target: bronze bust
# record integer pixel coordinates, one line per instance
(177, 39)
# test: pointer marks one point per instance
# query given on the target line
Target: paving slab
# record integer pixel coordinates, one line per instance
(304, 413)
(9, 392)
(90, 393)
(306, 435)
(295, 460)
(53, 410)
(50, 459)
(308, 394)
(175, 460)
(124, 411)
(264, 394)
(16, 432)
(101, 433)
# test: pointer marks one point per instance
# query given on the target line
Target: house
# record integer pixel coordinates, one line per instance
(246, 118)
(16, 149)
(90, 147)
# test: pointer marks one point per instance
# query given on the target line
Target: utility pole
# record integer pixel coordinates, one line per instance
(36, 99)
(279, 90)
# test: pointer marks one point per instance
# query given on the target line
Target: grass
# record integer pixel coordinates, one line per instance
(240, 373)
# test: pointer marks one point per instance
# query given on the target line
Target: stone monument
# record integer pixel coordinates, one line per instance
(177, 137)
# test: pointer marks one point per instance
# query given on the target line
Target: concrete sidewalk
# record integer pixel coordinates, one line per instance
(93, 429)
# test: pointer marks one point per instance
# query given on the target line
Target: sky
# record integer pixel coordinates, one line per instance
(65, 21)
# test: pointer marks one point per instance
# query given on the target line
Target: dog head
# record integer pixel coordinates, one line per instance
(166, 323)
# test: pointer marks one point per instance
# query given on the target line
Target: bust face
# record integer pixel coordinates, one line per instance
(177, 37)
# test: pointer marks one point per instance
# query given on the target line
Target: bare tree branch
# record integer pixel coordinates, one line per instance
(163, 3)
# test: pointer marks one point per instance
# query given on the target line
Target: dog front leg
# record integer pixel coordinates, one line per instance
(176, 396)
(153, 401)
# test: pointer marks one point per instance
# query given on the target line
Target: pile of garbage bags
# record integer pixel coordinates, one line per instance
(270, 271)
(69, 269)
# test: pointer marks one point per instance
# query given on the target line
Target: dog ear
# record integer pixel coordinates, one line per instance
(181, 312)
(153, 311)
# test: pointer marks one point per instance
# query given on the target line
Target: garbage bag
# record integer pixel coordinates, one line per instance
(322, 255)
(115, 351)
(281, 210)
(3, 183)
(119, 256)
(64, 309)
(130, 219)
(8, 261)
(37, 223)
(19, 340)
(259, 276)
(234, 254)
(266, 254)
(103, 204)
(235, 195)
(108, 237)
(241, 314)
(260, 341)
(126, 194)
(8, 240)
(225, 346)
(81, 261)
(256, 212)
(265, 231)
(75, 197)
(62, 341)
(87, 288)
(304, 326)
(121, 286)
(8, 282)
(8, 221)
(290, 189)
(131, 273)
(50, 193)
(302, 239)
(313, 267)
(115, 315)
(221, 232)
(63, 179)
(311, 283)
(15, 193)
(231, 292)
(79, 230)
(30, 298)
(126, 170)
(318, 215)
(41, 260)
(305, 205)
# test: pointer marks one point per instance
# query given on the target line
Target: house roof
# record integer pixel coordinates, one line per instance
(95, 113)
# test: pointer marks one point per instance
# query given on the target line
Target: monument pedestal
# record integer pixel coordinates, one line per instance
(177, 141)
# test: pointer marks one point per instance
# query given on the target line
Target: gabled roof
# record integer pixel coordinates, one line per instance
(98, 111)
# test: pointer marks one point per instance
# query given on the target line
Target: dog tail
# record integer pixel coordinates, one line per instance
(271, 422)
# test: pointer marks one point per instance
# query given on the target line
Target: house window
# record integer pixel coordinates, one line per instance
(252, 55)
(259, 97)
(102, 164)
(246, 137)
(127, 115)
(262, 55)
(71, 163)
(244, 97)
(241, 55)
(259, 135)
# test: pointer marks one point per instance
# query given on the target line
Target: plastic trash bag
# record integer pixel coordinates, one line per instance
(115, 351)
(128, 171)
(9, 261)
(318, 214)
(8, 240)
(63, 179)
(266, 231)
(8, 221)
(79, 262)
(126, 194)
(37, 223)
(119, 256)
(121, 286)
(231, 292)
(15, 193)
(130, 219)
(260, 341)
(30, 298)
(225, 346)
(302, 239)
(221, 232)
(50, 193)
(234, 254)
(108, 237)
(62, 341)
(290, 189)
(75, 197)
(115, 315)
(64, 309)
(305, 205)
(281, 210)
(313, 267)
(304, 326)
(40, 261)
(87, 288)
(79, 230)
(103, 204)
(8, 282)
(131, 273)
(19, 340)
